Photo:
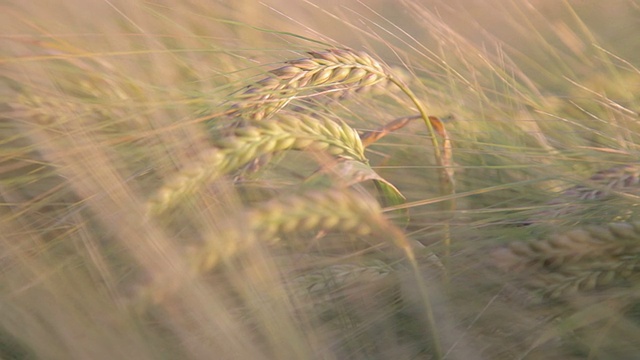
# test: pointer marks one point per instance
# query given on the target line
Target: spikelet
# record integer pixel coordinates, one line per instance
(284, 132)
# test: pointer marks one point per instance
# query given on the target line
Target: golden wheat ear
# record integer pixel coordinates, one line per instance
(326, 210)
(582, 259)
(621, 181)
(334, 70)
(282, 133)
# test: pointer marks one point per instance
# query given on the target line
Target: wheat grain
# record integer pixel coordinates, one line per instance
(285, 132)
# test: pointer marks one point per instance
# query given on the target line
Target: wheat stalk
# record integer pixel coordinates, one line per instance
(285, 132)
(370, 137)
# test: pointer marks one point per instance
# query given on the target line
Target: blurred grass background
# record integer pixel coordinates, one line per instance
(104, 100)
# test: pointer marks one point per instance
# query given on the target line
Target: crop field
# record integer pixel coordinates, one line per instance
(320, 179)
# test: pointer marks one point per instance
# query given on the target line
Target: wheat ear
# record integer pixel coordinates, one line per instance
(580, 259)
(284, 132)
(587, 277)
(580, 245)
(623, 180)
(328, 210)
(330, 70)
(50, 110)
(327, 280)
